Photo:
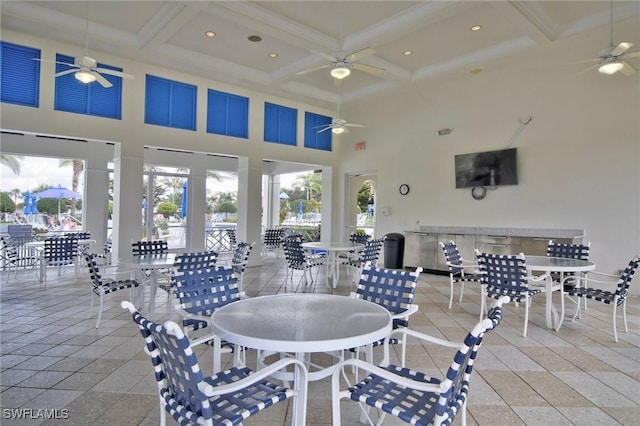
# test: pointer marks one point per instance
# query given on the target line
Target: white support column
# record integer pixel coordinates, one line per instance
(127, 202)
(95, 206)
(326, 232)
(273, 194)
(250, 205)
(197, 208)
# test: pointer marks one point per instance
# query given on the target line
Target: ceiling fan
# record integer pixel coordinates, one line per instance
(338, 125)
(612, 58)
(85, 68)
(341, 64)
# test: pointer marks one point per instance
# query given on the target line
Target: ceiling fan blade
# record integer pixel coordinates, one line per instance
(324, 130)
(114, 73)
(370, 69)
(627, 69)
(586, 61)
(356, 56)
(353, 125)
(309, 70)
(65, 72)
(621, 48)
(103, 81)
(586, 70)
(85, 61)
(631, 55)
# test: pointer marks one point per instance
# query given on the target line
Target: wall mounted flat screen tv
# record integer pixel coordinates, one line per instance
(490, 168)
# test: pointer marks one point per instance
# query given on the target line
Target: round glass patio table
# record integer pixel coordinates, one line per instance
(333, 248)
(302, 324)
(152, 263)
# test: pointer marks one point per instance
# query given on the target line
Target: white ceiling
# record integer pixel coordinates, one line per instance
(171, 34)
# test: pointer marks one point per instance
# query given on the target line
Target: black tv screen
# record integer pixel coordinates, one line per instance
(490, 168)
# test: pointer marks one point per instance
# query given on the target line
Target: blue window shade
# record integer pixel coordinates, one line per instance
(280, 124)
(227, 114)
(170, 103)
(19, 75)
(91, 99)
(312, 124)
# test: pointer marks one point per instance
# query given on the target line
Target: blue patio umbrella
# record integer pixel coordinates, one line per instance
(27, 203)
(58, 192)
(284, 196)
(34, 205)
(300, 208)
(183, 206)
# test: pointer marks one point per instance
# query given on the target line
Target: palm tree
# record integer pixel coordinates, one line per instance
(312, 183)
(77, 167)
(12, 162)
(15, 192)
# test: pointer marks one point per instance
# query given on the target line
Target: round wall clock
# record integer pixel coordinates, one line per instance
(404, 189)
(479, 192)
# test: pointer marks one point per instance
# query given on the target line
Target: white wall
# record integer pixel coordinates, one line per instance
(578, 159)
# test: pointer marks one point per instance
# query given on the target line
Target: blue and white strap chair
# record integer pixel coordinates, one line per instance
(187, 262)
(201, 292)
(103, 286)
(11, 257)
(460, 270)
(411, 395)
(298, 259)
(614, 298)
(367, 256)
(240, 259)
(272, 241)
(225, 398)
(506, 275)
(569, 251)
(392, 289)
(59, 252)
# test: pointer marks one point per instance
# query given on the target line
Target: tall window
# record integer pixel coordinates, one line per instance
(170, 103)
(20, 75)
(280, 124)
(227, 114)
(312, 124)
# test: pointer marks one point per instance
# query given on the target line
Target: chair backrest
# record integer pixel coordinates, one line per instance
(503, 275)
(196, 260)
(60, 250)
(149, 247)
(371, 251)
(202, 291)
(571, 251)
(359, 238)
(625, 279)
(293, 251)
(8, 248)
(452, 254)
(94, 271)
(273, 237)
(459, 373)
(392, 289)
(231, 234)
(241, 256)
(176, 369)
(78, 235)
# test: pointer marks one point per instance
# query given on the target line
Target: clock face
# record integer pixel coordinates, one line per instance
(478, 192)
(404, 189)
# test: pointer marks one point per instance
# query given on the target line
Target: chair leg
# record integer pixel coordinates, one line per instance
(100, 313)
(561, 309)
(450, 292)
(461, 291)
(615, 330)
(624, 315)
(526, 316)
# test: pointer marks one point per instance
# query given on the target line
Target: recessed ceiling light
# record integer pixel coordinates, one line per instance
(476, 70)
(407, 52)
(255, 38)
(476, 28)
(210, 34)
(273, 55)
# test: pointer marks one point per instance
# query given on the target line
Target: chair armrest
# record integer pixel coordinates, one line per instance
(386, 374)
(261, 374)
(421, 336)
(610, 278)
(412, 309)
(188, 315)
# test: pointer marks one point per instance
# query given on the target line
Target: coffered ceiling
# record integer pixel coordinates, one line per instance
(304, 33)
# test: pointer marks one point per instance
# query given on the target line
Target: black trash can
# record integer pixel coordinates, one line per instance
(393, 251)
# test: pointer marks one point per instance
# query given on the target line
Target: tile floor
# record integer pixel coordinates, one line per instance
(52, 357)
